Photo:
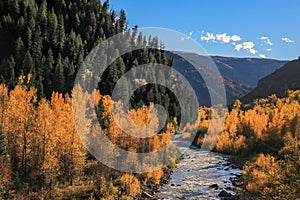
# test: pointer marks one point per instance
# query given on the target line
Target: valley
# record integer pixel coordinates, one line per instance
(75, 125)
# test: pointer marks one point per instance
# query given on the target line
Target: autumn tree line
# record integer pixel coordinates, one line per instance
(264, 137)
(43, 156)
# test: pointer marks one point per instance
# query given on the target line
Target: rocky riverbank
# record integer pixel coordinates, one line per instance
(200, 175)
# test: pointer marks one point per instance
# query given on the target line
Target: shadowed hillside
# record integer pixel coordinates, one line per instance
(247, 70)
(240, 75)
(283, 79)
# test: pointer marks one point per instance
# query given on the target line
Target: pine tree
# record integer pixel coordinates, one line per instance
(61, 33)
(8, 71)
(47, 73)
(14, 8)
(19, 51)
(59, 78)
(52, 27)
(37, 48)
(3, 102)
(42, 17)
(2, 145)
(122, 21)
(11, 72)
(68, 29)
(27, 63)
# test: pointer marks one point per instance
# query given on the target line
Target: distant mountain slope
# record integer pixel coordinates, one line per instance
(287, 77)
(246, 70)
(240, 75)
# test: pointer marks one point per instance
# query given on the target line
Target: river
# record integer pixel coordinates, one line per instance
(200, 175)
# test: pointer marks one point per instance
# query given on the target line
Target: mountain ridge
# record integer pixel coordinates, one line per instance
(278, 82)
(240, 75)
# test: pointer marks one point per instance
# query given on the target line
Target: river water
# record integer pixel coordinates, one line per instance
(194, 176)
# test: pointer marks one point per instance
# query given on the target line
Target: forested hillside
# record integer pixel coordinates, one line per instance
(50, 40)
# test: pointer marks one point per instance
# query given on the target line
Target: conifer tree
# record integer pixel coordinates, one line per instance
(59, 78)
(2, 145)
(27, 63)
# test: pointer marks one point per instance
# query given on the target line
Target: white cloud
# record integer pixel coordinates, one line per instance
(262, 55)
(209, 37)
(238, 47)
(253, 51)
(266, 40)
(269, 49)
(248, 46)
(288, 40)
(236, 38)
(224, 38)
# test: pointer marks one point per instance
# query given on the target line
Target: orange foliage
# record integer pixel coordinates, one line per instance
(255, 122)
(262, 175)
(155, 176)
(17, 125)
(43, 142)
(130, 185)
(230, 141)
(41, 137)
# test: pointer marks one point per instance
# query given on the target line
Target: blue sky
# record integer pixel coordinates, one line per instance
(256, 28)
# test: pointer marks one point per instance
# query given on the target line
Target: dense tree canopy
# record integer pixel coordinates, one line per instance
(266, 133)
(41, 145)
(50, 40)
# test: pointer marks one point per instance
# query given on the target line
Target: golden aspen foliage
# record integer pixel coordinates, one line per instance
(230, 141)
(262, 175)
(155, 176)
(72, 152)
(200, 126)
(130, 185)
(43, 145)
(18, 120)
(291, 163)
(267, 177)
(255, 123)
(97, 97)
(56, 102)
(141, 116)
